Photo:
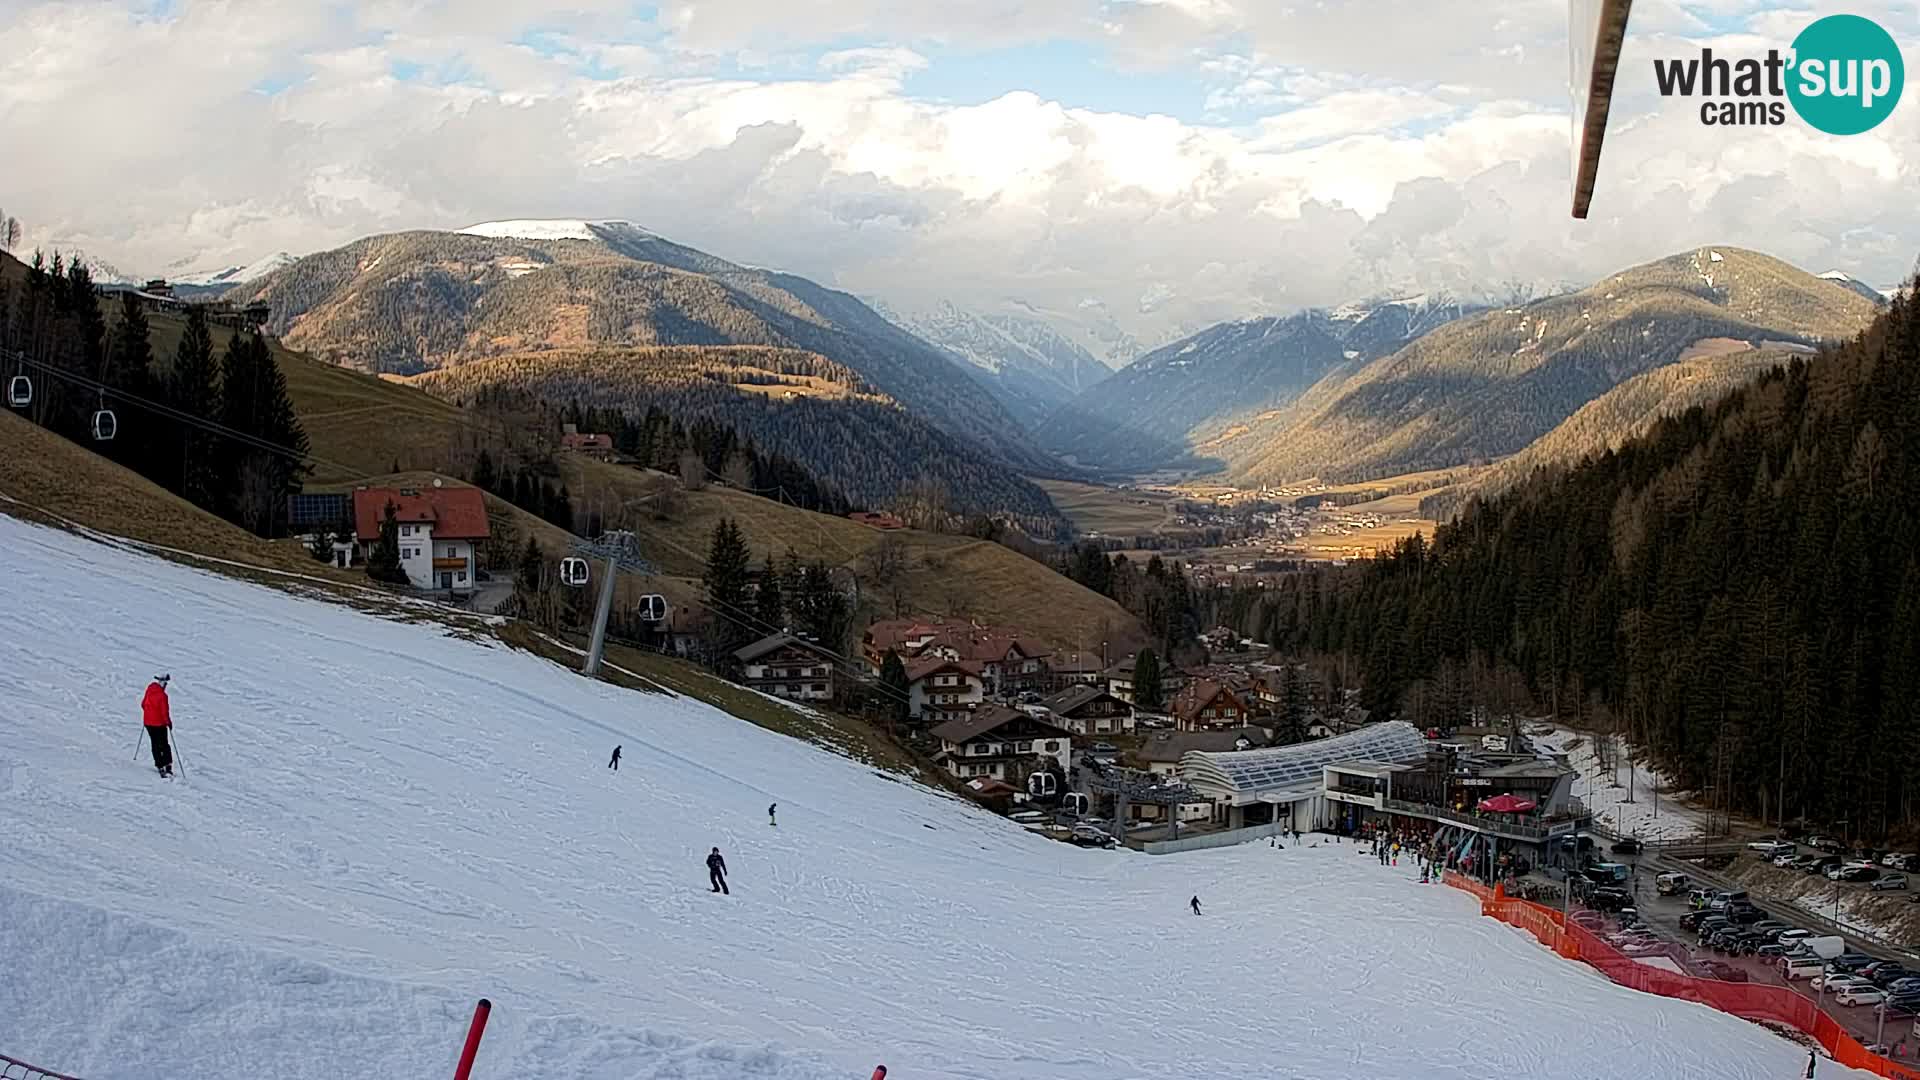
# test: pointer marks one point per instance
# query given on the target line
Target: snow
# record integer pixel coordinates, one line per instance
(237, 275)
(380, 821)
(1835, 275)
(1605, 790)
(549, 229)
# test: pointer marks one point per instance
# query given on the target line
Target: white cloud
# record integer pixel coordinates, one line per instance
(1413, 145)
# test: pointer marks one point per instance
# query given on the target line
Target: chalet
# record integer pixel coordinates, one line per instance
(1001, 743)
(876, 521)
(1006, 662)
(1163, 750)
(1208, 705)
(939, 689)
(1269, 687)
(787, 667)
(1120, 680)
(1078, 669)
(1089, 710)
(572, 438)
(439, 527)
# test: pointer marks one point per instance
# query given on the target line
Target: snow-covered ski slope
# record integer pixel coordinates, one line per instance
(380, 822)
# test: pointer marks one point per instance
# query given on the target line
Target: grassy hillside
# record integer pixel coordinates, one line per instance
(360, 424)
(822, 414)
(1094, 508)
(44, 472)
(946, 575)
(1488, 385)
(1605, 423)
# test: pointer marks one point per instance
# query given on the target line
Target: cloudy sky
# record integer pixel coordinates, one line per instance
(1166, 162)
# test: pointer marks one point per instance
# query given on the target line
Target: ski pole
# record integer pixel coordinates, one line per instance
(136, 743)
(174, 742)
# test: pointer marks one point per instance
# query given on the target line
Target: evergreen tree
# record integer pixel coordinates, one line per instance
(893, 676)
(725, 585)
(821, 610)
(1293, 706)
(1147, 690)
(769, 605)
(483, 472)
(128, 369)
(383, 563)
(192, 387)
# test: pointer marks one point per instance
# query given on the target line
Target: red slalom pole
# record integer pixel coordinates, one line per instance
(474, 1031)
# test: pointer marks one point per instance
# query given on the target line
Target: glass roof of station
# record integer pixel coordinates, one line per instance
(1249, 772)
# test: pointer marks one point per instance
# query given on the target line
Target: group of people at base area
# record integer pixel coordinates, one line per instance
(1390, 845)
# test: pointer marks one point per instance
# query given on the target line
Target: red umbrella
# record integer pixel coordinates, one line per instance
(1507, 804)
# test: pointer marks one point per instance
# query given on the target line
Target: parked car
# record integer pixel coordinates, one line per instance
(1609, 899)
(1884, 978)
(1789, 937)
(1725, 972)
(1859, 995)
(1091, 836)
(1691, 920)
(1833, 983)
(1767, 849)
(1859, 871)
(1626, 845)
(1888, 882)
(1784, 861)
(1899, 1003)
(1897, 860)
(1770, 927)
(1824, 863)
(1670, 884)
(1908, 984)
(1802, 967)
(1826, 843)
(1496, 744)
(1711, 926)
(1850, 963)
(1745, 914)
(1699, 898)
(1105, 748)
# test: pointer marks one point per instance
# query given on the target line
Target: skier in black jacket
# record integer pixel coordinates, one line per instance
(717, 871)
(614, 764)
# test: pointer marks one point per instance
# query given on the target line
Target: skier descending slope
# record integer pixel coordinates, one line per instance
(614, 763)
(717, 871)
(157, 718)
(771, 807)
(1196, 905)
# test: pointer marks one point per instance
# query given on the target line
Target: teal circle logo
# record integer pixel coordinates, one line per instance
(1847, 75)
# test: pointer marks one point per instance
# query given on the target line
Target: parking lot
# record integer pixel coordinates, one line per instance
(1662, 915)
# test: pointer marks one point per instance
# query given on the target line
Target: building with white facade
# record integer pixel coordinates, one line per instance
(438, 529)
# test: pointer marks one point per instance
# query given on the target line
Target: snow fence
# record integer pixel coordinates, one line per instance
(1750, 1001)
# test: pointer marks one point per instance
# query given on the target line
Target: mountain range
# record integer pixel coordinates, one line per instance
(1150, 414)
(1029, 364)
(940, 397)
(512, 292)
(1480, 388)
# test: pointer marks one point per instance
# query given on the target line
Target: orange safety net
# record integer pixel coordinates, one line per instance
(1752, 1001)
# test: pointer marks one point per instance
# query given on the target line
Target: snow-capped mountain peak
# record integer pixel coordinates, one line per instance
(237, 275)
(550, 228)
(1853, 284)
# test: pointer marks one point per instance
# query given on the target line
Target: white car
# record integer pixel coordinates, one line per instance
(1784, 859)
(1899, 860)
(1771, 849)
(1859, 995)
(1833, 984)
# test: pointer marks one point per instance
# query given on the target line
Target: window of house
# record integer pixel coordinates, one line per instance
(1051, 745)
(450, 553)
(461, 577)
(978, 748)
(1024, 747)
(819, 688)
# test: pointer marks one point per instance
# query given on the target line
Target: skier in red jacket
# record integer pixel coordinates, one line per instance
(158, 719)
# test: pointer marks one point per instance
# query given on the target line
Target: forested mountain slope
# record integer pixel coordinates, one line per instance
(1488, 385)
(819, 413)
(415, 301)
(1625, 412)
(1149, 414)
(1739, 589)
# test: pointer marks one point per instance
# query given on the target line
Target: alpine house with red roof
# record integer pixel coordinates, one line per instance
(438, 530)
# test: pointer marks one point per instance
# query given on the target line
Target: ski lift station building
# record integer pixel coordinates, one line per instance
(1287, 784)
